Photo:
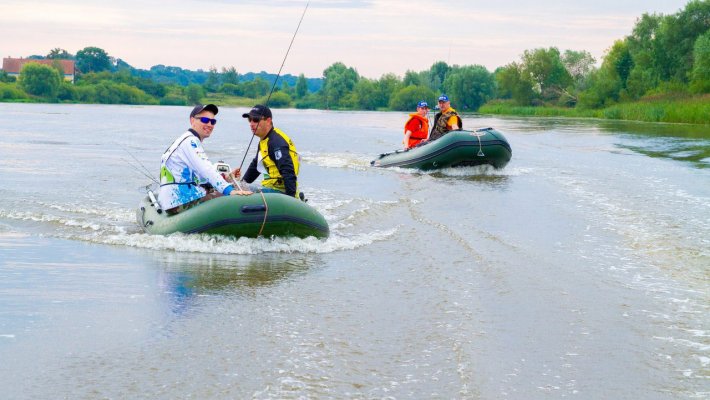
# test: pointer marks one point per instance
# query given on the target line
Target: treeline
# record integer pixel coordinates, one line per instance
(104, 79)
(664, 57)
(664, 62)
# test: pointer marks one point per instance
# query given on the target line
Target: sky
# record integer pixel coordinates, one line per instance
(373, 36)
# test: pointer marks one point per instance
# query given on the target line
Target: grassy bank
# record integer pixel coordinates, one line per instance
(228, 101)
(691, 110)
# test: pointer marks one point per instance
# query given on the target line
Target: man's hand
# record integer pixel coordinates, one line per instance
(237, 173)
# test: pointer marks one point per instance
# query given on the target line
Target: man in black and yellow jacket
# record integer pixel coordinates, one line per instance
(276, 157)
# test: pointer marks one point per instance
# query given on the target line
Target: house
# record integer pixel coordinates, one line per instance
(13, 66)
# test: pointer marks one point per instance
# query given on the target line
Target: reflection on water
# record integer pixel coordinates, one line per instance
(695, 153)
(679, 142)
(185, 277)
(687, 131)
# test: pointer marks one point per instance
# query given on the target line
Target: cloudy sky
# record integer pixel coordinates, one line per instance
(373, 36)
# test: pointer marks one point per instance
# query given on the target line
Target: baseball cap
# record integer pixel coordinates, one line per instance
(443, 97)
(422, 104)
(258, 111)
(202, 107)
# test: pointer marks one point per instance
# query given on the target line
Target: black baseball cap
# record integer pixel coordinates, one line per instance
(202, 107)
(258, 111)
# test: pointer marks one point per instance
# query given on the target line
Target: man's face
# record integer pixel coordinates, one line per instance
(260, 126)
(422, 111)
(203, 124)
(444, 105)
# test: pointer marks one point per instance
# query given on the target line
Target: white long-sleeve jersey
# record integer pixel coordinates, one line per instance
(184, 166)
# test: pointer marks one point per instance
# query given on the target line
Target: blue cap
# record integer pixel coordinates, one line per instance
(443, 97)
(422, 104)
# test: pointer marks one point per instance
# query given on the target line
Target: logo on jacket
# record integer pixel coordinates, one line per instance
(277, 154)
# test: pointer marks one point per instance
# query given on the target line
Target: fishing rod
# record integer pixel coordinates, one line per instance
(275, 81)
(144, 171)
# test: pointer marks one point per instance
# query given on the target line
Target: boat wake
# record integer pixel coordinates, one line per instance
(338, 160)
(350, 228)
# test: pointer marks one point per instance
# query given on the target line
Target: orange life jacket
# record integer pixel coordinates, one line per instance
(419, 130)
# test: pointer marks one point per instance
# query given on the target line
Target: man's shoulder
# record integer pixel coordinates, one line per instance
(277, 138)
(192, 142)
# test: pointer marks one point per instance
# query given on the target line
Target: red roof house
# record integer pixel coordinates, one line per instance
(13, 66)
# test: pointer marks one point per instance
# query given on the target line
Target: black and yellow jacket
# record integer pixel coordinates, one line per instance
(277, 156)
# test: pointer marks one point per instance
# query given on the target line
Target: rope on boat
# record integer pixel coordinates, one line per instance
(266, 212)
(477, 134)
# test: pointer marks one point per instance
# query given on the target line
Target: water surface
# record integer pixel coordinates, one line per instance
(579, 270)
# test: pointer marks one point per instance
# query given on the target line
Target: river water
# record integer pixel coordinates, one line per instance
(581, 270)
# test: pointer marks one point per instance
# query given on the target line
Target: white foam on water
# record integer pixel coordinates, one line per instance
(68, 221)
(116, 213)
(467, 171)
(117, 226)
(337, 160)
(658, 253)
(216, 244)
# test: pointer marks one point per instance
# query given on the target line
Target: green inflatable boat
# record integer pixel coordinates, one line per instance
(455, 149)
(273, 214)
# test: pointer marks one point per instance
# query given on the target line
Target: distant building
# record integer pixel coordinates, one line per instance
(12, 66)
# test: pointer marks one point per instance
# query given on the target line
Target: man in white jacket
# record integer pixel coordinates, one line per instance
(185, 166)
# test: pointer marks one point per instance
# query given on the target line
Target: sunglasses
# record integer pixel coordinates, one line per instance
(205, 120)
(255, 119)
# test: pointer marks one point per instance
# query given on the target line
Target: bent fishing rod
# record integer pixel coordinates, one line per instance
(275, 81)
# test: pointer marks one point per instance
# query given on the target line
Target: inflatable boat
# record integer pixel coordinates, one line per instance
(273, 214)
(456, 148)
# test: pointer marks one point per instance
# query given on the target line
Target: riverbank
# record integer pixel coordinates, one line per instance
(690, 110)
(670, 109)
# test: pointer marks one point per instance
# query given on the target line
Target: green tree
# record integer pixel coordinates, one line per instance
(194, 93)
(255, 89)
(122, 65)
(288, 89)
(365, 92)
(67, 92)
(606, 84)
(437, 75)
(279, 99)
(230, 75)
(700, 76)
(10, 91)
(513, 84)
(470, 87)
(406, 98)
(675, 40)
(642, 46)
(579, 65)
(108, 92)
(59, 54)
(40, 80)
(4, 77)
(623, 63)
(230, 89)
(92, 59)
(338, 83)
(385, 87)
(212, 82)
(301, 87)
(412, 78)
(547, 72)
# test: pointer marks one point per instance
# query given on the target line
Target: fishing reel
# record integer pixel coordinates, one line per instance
(223, 168)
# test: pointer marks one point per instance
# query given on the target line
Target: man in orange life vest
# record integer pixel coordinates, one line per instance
(416, 129)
